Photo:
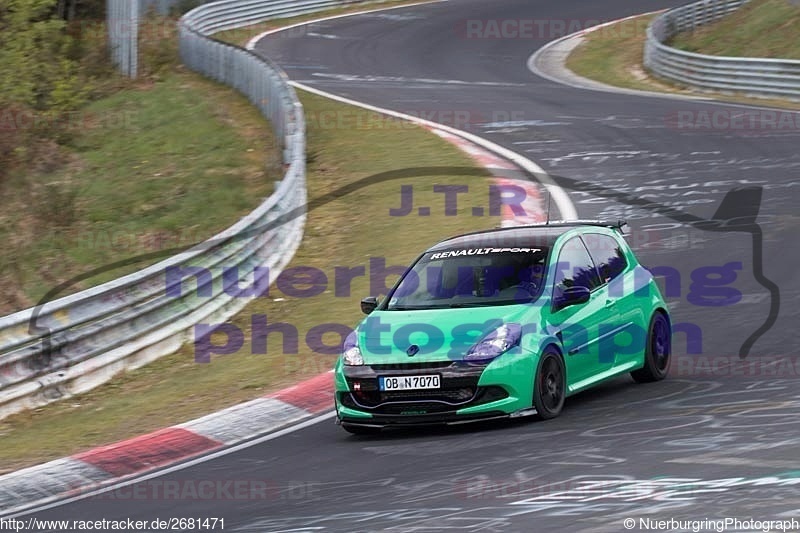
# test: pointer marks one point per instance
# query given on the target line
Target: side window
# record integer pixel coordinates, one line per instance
(607, 255)
(575, 267)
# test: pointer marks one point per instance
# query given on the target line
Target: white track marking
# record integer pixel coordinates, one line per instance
(405, 81)
(593, 85)
(252, 42)
(175, 468)
(558, 195)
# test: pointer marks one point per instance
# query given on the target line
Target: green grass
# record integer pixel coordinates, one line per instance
(139, 173)
(761, 28)
(345, 232)
(614, 55)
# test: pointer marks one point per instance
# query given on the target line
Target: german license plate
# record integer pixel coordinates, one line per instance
(410, 382)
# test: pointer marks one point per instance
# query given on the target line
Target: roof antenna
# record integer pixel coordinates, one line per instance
(549, 195)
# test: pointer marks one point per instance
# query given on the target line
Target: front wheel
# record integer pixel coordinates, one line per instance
(657, 352)
(549, 385)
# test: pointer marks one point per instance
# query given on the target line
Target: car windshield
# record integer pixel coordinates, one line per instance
(471, 277)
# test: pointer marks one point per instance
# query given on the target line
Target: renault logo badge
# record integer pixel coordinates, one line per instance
(412, 350)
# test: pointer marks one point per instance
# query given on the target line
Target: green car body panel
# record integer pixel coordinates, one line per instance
(597, 339)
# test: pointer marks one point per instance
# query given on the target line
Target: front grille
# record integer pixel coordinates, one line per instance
(421, 401)
(418, 408)
(489, 394)
(452, 396)
(459, 389)
(449, 382)
(413, 366)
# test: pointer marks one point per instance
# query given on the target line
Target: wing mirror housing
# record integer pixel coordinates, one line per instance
(572, 296)
(369, 304)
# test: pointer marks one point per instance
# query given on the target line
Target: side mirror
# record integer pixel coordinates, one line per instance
(572, 296)
(369, 304)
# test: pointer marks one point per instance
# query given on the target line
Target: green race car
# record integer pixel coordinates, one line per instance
(503, 323)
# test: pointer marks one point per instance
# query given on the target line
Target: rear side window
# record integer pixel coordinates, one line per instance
(607, 255)
(575, 267)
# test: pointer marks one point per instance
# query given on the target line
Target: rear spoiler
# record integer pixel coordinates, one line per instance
(617, 224)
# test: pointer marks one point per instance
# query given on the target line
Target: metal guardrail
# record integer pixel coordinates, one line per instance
(75, 343)
(123, 18)
(122, 21)
(756, 76)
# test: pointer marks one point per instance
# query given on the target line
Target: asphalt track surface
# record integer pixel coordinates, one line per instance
(622, 450)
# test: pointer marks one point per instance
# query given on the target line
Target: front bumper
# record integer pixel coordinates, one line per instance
(438, 419)
(469, 392)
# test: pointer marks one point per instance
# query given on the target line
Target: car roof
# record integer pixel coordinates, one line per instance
(543, 235)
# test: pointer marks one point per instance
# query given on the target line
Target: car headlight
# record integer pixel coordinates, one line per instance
(351, 353)
(495, 343)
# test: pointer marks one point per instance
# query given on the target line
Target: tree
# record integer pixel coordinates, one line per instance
(40, 82)
(32, 51)
(70, 10)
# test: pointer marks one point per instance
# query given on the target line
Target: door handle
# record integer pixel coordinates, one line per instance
(611, 303)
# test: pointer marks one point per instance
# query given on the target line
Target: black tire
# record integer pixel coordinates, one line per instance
(549, 386)
(657, 352)
(361, 430)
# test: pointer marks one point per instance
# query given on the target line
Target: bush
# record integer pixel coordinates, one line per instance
(9, 142)
(33, 45)
(57, 69)
(55, 204)
(158, 45)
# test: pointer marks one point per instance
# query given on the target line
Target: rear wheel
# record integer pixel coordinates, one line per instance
(549, 385)
(657, 352)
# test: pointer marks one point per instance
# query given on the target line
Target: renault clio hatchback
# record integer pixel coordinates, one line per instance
(503, 323)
